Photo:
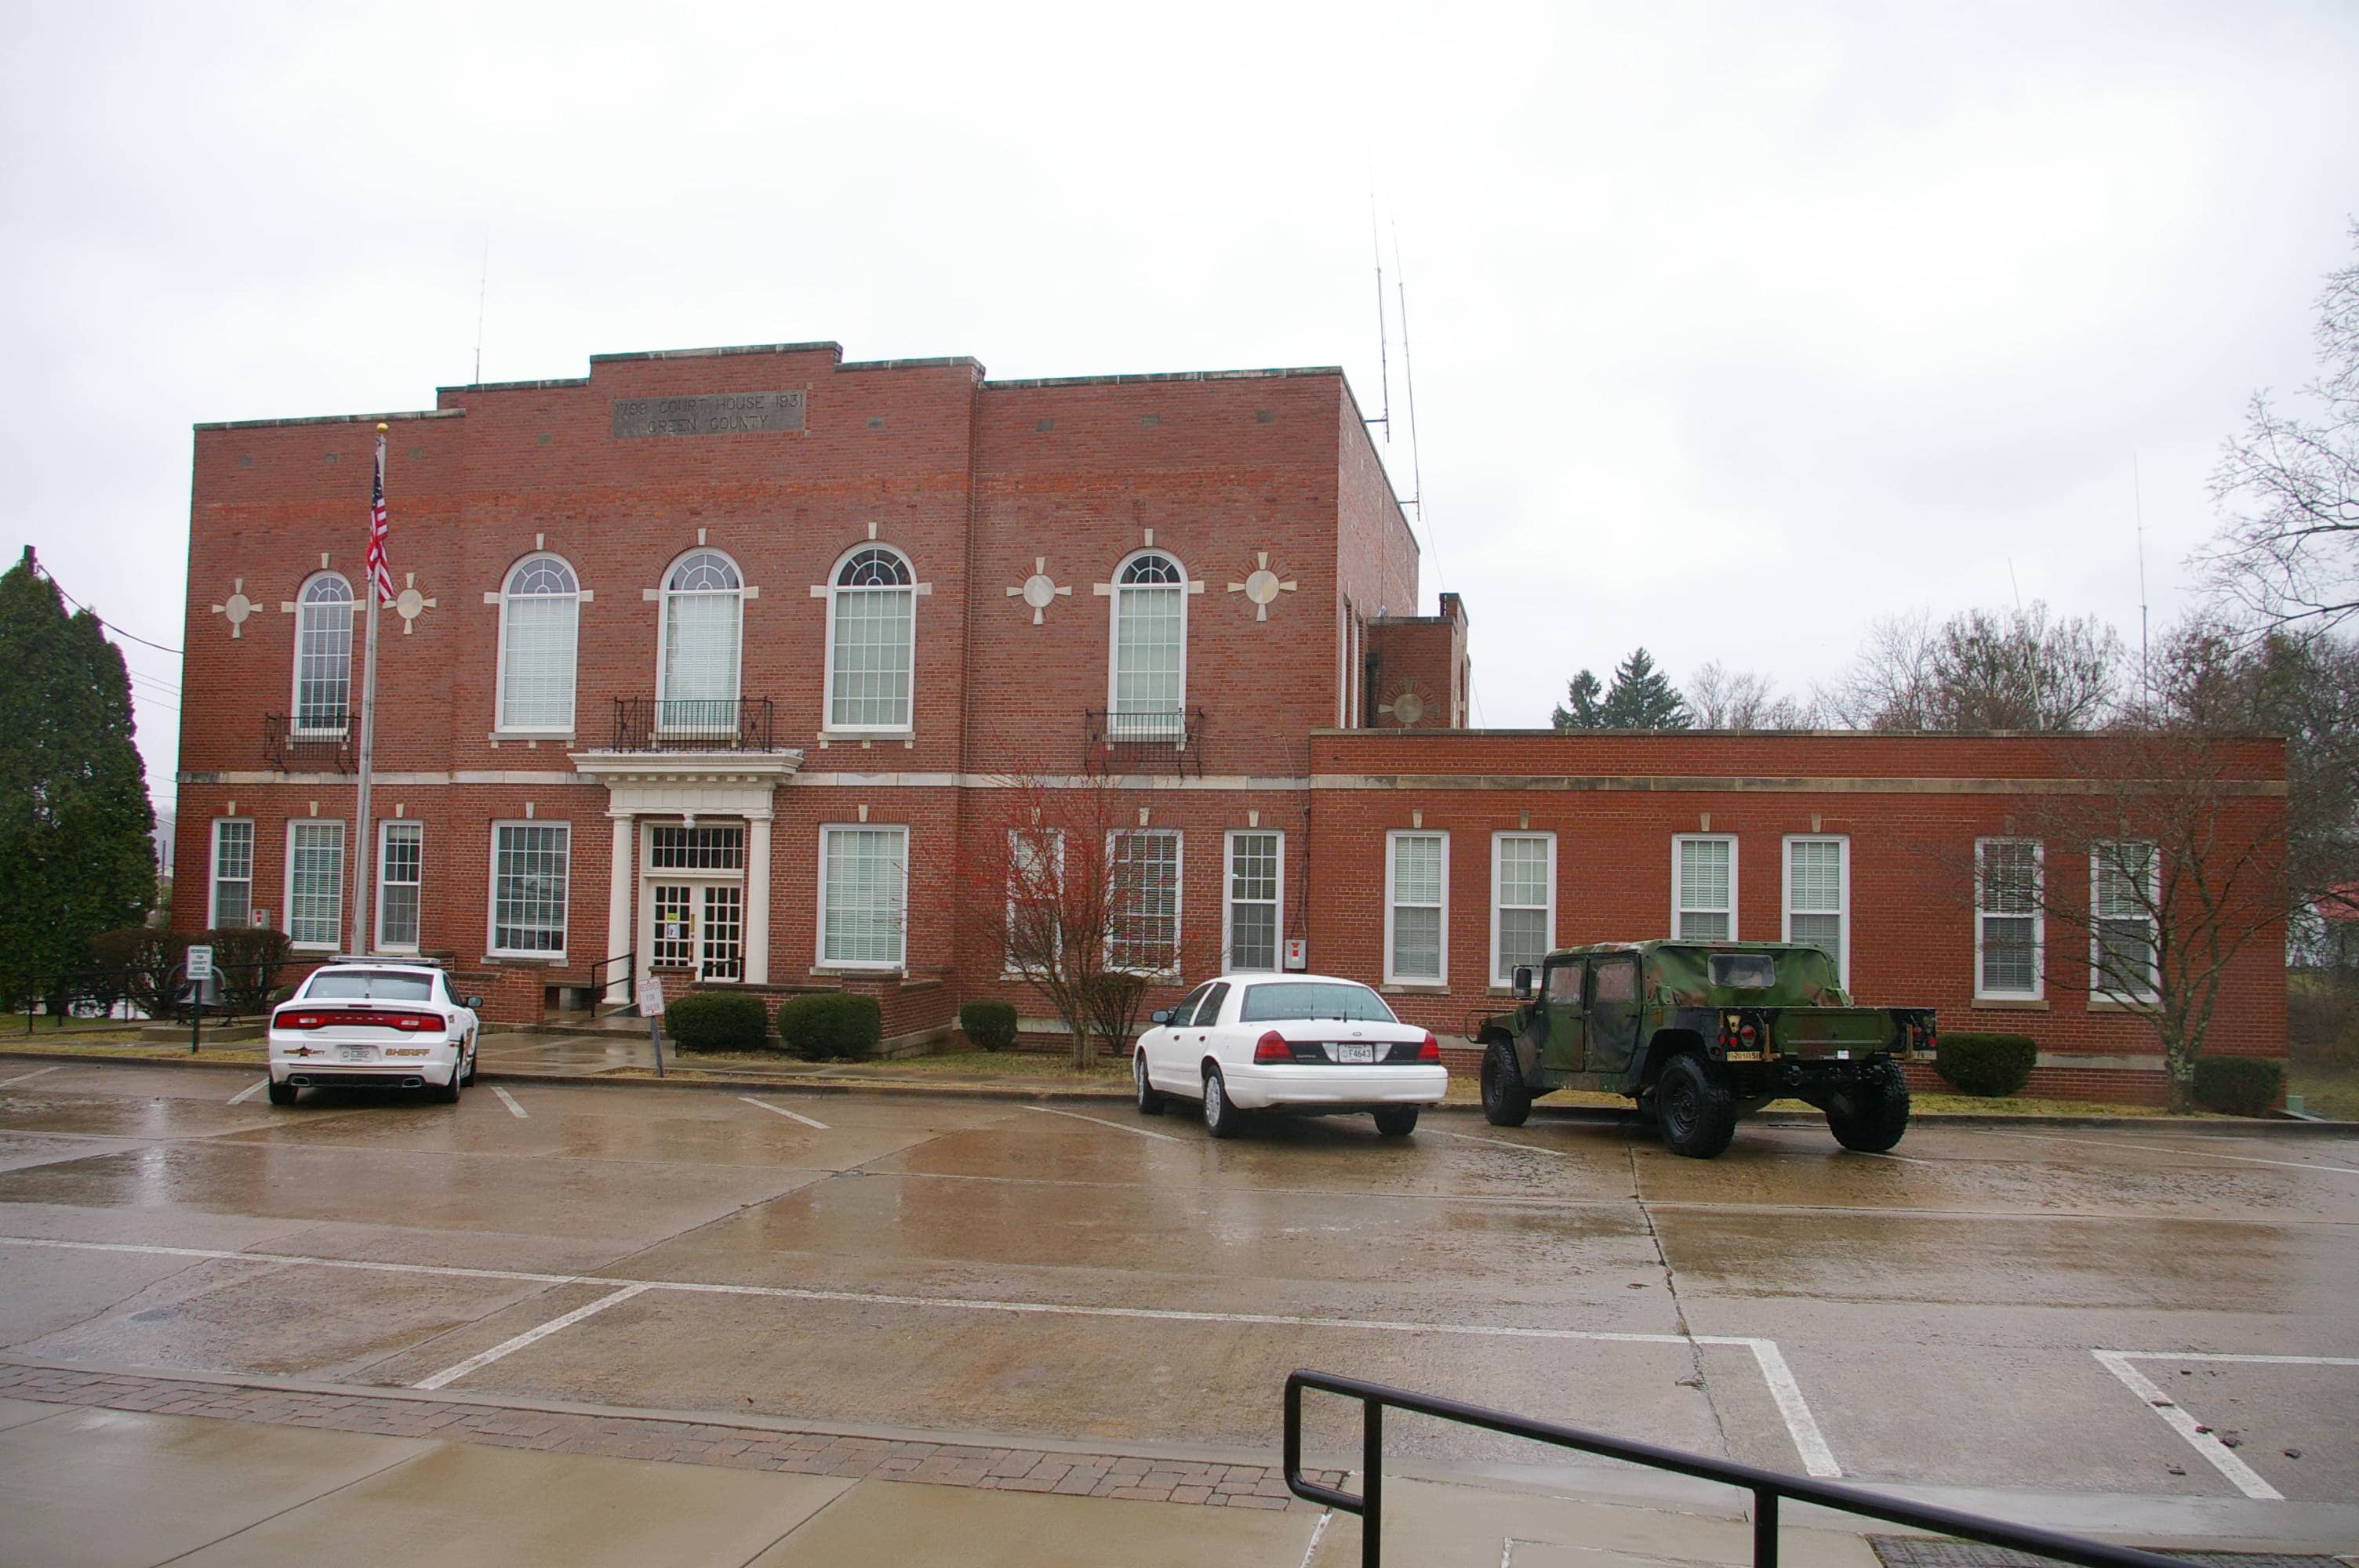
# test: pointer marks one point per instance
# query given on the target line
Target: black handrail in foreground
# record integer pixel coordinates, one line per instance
(1767, 1486)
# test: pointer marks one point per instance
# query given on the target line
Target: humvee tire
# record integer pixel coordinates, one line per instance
(1505, 1101)
(1698, 1116)
(1872, 1116)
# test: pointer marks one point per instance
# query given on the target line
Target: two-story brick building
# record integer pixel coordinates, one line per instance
(723, 663)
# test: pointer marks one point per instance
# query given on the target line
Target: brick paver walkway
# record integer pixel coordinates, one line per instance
(677, 1441)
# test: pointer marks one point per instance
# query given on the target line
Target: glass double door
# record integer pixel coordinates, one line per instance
(700, 926)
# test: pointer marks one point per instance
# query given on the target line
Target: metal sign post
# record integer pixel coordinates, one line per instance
(200, 970)
(651, 1003)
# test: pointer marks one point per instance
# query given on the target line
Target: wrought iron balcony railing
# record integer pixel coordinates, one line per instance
(1145, 741)
(311, 744)
(685, 724)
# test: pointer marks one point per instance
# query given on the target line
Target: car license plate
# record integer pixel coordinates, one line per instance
(355, 1053)
(1355, 1054)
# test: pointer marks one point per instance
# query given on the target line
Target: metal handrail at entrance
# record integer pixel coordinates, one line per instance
(1767, 1486)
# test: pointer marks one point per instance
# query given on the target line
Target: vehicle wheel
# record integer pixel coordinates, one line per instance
(1221, 1120)
(1398, 1121)
(283, 1094)
(1150, 1099)
(1505, 1101)
(1698, 1116)
(1872, 1114)
(445, 1093)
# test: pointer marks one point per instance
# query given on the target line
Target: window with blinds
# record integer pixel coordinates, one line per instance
(400, 862)
(540, 618)
(1150, 657)
(1818, 887)
(323, 656)
(1256, 873)
(1416, 907)
(1523, 901)
(2125, 899)
(871, 641)
(864, 879)
(703, 606)
(2008, 923)
(315, 883)
(1703, 889)
(1144, 892)
(232, 880)
(531, 870)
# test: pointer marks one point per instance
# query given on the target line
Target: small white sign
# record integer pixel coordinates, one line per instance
(200, 964)
(262, 920)
(651, 1003)
(1298, 952)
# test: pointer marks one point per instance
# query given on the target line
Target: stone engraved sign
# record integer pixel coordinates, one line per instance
(719, 414)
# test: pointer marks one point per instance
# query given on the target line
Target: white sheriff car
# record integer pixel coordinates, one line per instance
(373, 1022)
(1307, 1044)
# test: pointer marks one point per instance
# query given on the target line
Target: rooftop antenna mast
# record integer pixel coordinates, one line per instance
(1408, 375)
(1383, 356)
(482, 292)
(2138, 501)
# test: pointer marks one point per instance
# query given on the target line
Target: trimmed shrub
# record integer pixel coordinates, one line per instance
(989, 1025)
(146, 964)
(246, 962)
(1992, 1065)
(830, 1023)
(2237, 1086)
(716, 1020)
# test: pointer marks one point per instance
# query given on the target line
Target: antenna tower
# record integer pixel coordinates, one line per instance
(1384, 355)
(2138, 501)
(482, 292)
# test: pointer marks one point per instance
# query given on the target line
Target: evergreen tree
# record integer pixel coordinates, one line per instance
(1587, 711)
(1641, 697)
(76, 852)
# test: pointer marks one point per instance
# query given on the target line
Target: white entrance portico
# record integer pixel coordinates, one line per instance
(713, 887)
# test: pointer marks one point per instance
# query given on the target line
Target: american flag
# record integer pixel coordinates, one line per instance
(379, 573)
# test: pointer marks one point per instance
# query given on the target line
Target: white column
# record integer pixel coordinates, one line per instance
(757, 900)
(619, 930)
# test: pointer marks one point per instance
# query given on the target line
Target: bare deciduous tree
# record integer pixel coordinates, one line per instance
(2018, 669)
(1720, 698)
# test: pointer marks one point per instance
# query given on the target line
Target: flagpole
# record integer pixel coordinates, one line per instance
(362, 861)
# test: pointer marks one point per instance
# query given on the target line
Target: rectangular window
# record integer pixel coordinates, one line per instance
(1256, 875)
(1704, 888)
(400, 860)
(1143, 888)
(1523, 902)
(2125, 899)
(683, 848)
(531, 870)
(315, 883)
(1036, 887)
(538, 635)
(2007, 922)
(875, 633)
(233, 901)
(864, 894)
(1818, 898)
(1417, 883)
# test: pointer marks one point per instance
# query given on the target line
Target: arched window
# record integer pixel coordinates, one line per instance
(1149, 681)
(703, 610)
(540, 618)
(323, 656)
(870, 641)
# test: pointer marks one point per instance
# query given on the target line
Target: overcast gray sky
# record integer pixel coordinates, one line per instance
(1733, 326)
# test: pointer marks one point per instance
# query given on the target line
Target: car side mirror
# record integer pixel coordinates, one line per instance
(1160, 1015)
(474, 1002)
(1523, 982)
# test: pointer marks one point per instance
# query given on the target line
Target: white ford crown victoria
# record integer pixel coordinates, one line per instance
(373, 1022)
(1302, 1044)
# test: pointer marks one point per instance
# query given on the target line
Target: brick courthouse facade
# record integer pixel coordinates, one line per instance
(724, 660)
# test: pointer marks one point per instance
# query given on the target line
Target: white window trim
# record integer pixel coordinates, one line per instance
(1392, 864)
(746, 594)
(1499, 975)
(2098, 989)
(1228, 900)
(295, 726)
(916, 590)
(385, 836)
(1679, 853)
(1179, 895)
(492, 892)
(213, 870)
(1185, 588)
(2038, 917)
(1786, 901)
(501, 728)
(819, 959)
(343, 881)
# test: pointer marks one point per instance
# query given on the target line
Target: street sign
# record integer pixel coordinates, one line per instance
(1298, 953)
(651, 1003)
(200, 964)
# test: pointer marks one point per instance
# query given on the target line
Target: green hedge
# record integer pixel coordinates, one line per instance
(989, 1025)
(246, 961)
(144, 964)
(830, 1023)
(1992, 1065)
(716, 1020)
(2237, 1086)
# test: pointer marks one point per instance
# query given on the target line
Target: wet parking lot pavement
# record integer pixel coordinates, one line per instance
(2148, 1311)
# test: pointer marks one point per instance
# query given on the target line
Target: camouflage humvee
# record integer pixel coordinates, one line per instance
(1700, 1034)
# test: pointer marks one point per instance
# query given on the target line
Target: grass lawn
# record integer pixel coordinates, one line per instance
(2326, 1091)
(982, 1065)
(1465, 1089)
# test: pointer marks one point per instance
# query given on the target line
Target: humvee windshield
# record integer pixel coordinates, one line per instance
(1798, 977)
(1744, 971)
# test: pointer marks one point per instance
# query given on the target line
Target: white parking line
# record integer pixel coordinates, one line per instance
(22, 1077)
(2219, 1455)
(1801, 1425)
(508, 1100)
(1118, 1127)
(2158, 1149)
(782, 1110)
(1501, 1144)
(509, 1347)
(249, 1092)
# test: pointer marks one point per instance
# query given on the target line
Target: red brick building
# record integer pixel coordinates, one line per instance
(724, 660)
